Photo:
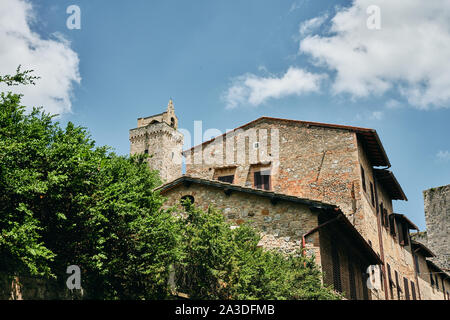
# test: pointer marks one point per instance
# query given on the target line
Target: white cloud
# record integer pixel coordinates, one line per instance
(52, 59)
(443, 155)
(297, 5)
(410, 53)
(377, 115)
(393, 104)
(310, 25)
(250, 89)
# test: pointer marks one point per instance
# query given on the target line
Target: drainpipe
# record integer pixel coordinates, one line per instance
(380, 240)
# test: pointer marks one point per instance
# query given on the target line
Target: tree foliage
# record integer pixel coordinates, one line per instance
(221, 262)
(64, 201)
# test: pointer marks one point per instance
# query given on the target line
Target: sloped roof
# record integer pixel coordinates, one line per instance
(420, 247)
(387, 179)
(342, 220)
(369, 137)
(409, 223)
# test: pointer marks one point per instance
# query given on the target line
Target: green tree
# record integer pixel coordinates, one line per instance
(224, 263)
(64, 201)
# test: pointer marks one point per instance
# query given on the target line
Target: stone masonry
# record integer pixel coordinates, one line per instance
(437, 216)
(158, 137)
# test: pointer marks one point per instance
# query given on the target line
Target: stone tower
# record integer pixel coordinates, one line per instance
(437, 216)
(158, 137)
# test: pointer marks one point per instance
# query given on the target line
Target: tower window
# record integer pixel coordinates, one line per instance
(172, 122)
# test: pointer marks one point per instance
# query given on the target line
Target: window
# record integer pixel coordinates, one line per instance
(391, 289)
(351, 274)
(262, 179)
(437, 282)
(381, 210)
(416, 260)
(363, 178)
(403, 234)
(172, 122)
(405, 282)
(228, 179)
(336, 268)
(146, 151)
(431, 279)
(392, 225)
(413, 291)
(372, 197)
(376, 197)
(385, 219)
(185, 199)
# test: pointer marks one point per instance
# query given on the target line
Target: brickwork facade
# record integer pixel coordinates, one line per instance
(319, 163)
(333, 164)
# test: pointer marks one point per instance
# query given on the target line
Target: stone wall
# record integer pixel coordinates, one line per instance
(312, 162)
(306, 161)
(437, 216)
(30, 288)
(282, 225)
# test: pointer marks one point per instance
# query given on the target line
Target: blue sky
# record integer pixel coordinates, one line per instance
(134, 55)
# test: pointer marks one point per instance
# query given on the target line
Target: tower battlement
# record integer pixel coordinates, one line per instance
(158, 137)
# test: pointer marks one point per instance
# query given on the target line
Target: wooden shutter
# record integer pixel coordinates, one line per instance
(397, 284)
(413, 290)
(351, 274)
(405, 282)
(266, 181)
(336, 268)
(258, 180)
(363, 178)
(391, 289)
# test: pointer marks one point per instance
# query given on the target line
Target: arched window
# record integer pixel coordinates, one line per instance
(186, 198)
(172, 122)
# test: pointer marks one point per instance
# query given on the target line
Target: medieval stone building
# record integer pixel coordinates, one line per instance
(324, 188)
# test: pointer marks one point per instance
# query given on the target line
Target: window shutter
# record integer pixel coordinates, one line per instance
(351, 273)
(413, 290)
(257, 177)
(266, 182)
(405, 282)
(390, 281)
(336, 268)
(397, 284)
